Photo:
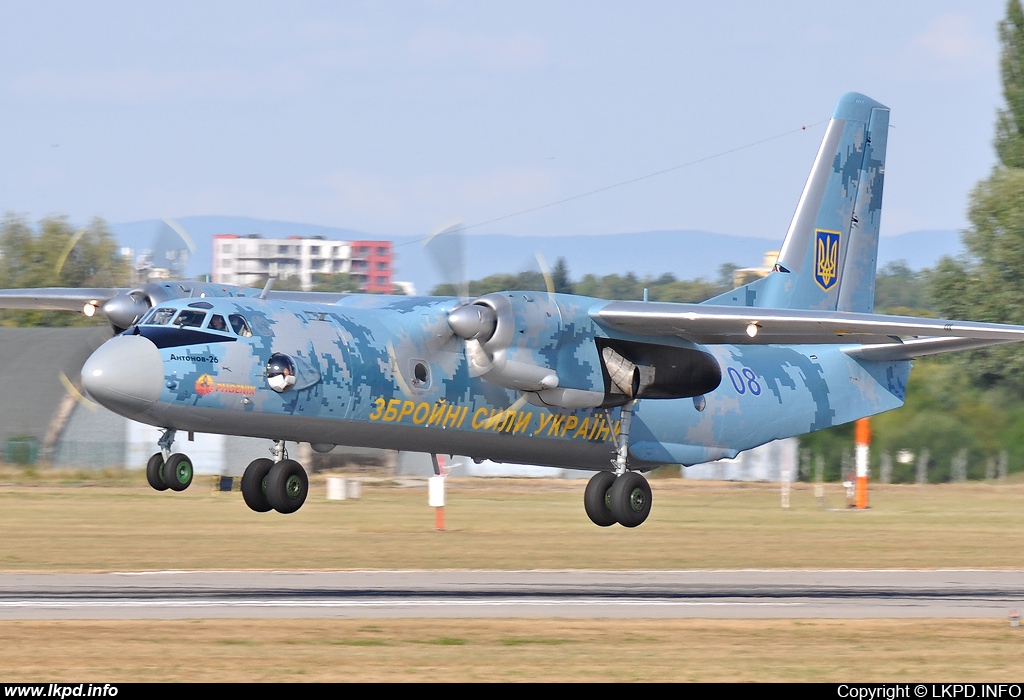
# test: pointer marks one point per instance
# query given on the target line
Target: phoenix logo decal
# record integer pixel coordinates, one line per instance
(207, 385)
(826, 258)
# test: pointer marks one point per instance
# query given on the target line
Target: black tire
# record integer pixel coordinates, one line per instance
(177, 472)
(595, 499)
(630, 499)
(154, 467)
(287, 486)
(254, 485)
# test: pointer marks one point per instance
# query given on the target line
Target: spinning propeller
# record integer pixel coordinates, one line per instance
(170, 250)
(485, 325)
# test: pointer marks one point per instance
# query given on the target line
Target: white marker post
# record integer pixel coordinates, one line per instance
(336, 490)
(435, 492)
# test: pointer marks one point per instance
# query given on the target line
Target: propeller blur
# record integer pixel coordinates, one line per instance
(620, 387)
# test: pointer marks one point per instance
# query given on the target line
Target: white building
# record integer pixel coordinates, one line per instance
(248, 261)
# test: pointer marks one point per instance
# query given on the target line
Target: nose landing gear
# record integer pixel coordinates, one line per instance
(169, 471)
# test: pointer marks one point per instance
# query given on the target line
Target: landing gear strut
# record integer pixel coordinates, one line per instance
(619, 496)
(168, 471)
(280, 484)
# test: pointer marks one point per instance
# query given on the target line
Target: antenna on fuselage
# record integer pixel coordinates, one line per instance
(266, 288)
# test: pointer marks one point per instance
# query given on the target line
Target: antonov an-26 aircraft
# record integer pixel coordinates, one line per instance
(555, 379)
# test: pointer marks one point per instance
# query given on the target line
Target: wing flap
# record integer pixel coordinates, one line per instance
(918, 347)
(716, 325)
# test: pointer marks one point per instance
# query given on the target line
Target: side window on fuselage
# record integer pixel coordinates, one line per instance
(239, 325)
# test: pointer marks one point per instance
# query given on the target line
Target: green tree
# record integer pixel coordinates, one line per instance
(56, 255)
(987, 283)
(1010, 121)
(902, 291)
(338, 282)
(560, 278)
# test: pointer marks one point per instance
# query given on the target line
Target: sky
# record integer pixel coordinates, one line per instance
(396, 117)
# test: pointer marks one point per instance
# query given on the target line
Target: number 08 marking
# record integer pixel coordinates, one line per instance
(745, 381)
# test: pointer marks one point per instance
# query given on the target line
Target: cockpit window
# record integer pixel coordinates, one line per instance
(239, 325)
(162, 317)
(217, 323)
(190, 319)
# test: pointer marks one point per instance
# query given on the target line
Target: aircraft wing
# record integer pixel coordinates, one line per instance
(56, 298)
(714, 325)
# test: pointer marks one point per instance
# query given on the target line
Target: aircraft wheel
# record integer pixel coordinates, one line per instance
(177, 472)
(254, 485)
(630, 499)
(153, 468)
(287, 486)
(595, 499)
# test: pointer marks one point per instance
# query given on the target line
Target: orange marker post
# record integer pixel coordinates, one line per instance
(862, 438)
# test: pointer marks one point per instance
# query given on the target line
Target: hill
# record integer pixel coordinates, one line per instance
(687, 254)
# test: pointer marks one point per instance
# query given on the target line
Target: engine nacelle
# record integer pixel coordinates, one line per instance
(645, 370)
(505, 334)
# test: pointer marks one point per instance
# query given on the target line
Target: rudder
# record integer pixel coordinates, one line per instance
(829, 257)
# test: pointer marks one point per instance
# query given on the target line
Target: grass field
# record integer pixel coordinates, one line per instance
(59, 522)
(508, 524)
(857, 651)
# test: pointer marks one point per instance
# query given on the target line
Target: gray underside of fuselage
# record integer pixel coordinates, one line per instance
(437, 440)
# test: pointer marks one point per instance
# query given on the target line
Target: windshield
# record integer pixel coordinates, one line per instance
(190, 318)
(162, 316)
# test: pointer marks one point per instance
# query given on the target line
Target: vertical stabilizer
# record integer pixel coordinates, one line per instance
(830, 253)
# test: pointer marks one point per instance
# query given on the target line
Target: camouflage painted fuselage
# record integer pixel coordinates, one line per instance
(381, 371)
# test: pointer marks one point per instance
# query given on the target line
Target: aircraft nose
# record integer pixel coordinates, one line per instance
(126, 374)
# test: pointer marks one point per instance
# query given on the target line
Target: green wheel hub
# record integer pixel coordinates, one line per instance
(293, 486)
(637, 500)
(184, 472)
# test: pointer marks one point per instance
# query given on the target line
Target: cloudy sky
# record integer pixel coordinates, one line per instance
(393, 117)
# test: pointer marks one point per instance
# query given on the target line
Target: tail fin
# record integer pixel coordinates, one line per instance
(830, 253)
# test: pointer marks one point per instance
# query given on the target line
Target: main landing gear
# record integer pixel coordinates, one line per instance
(623, 499)
(169, 471)
(279, 484)
(619, 496)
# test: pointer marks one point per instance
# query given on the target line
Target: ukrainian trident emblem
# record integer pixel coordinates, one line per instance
(826, 258)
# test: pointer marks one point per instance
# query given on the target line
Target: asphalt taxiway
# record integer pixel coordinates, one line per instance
(477, 594)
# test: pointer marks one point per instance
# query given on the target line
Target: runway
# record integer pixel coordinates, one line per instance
(521, 594)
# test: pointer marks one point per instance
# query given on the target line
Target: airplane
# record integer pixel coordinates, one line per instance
(618, 387)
